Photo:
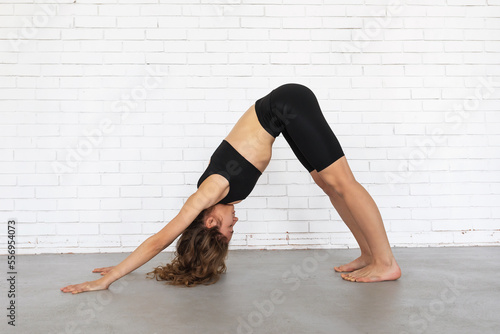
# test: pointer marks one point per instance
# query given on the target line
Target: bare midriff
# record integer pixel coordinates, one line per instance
(251, 140)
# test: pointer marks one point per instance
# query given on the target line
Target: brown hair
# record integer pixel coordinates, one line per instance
(199, 257)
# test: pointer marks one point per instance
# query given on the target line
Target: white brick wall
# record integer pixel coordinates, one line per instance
(110, 110)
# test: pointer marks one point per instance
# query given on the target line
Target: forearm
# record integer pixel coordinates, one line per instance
(148, 249)
(142, 254)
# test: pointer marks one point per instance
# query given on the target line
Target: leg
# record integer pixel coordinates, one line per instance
(346, 215)
(314, 143)
(383, 265)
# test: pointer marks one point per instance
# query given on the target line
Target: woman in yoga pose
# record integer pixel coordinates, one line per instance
(207, 217)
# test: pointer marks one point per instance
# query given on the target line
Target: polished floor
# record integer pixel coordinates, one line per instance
(442, 290)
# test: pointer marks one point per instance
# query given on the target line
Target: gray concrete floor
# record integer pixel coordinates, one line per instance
(442, 290)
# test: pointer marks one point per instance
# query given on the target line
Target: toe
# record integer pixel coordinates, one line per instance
(348, 277)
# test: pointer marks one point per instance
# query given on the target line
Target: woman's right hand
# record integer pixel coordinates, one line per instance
(103, 270)
(86, 286)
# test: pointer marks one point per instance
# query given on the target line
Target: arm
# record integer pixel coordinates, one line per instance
(208, 194)
(142, 254)
(145, 252)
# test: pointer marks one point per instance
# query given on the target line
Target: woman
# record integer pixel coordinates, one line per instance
(207, 218)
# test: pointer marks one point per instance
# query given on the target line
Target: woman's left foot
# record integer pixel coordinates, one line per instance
(359, 263)
(375, 273)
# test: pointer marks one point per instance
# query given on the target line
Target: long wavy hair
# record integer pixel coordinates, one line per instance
(199, 257)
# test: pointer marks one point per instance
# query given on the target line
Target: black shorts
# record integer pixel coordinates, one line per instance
(292, 109)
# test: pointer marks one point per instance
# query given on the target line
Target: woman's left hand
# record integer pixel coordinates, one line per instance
(86, 286)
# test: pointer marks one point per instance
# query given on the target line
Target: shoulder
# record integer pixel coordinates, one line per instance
(211, 191)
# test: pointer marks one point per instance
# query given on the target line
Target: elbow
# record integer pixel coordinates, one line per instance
(156, 243)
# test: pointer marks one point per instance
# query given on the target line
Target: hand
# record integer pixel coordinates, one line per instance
(86, 286)
(103, 271)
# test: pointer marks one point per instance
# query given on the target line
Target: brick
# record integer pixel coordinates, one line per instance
(433, 238)
(100, 216)
(77, 204)
(77, 229)
(120, 203)
(120, 229)
(35, 204)
(327, 226)
(473, 238)
(267, 240)
(138, 216)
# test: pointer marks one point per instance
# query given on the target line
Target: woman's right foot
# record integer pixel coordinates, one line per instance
(359, 263)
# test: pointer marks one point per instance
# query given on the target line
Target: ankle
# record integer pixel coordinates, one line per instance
(384, 262)
(366, 255)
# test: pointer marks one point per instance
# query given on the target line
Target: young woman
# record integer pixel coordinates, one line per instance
(207, 218)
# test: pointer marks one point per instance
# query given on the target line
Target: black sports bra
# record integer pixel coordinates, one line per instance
(240, 172)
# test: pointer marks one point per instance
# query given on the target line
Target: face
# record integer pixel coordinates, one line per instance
(226, 214)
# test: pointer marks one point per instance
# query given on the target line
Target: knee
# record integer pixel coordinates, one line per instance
(325, 186)
(341, 186)
(339, 177)
(329, 190)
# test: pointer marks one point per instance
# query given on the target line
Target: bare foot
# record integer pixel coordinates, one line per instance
(375, 273)
(359, 263)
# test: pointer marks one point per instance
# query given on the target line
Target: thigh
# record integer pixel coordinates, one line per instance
(297, 152)
(305, 127)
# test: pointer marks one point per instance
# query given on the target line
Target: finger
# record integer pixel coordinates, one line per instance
(73, 290)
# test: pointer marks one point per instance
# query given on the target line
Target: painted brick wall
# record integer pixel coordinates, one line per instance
(110, 110)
